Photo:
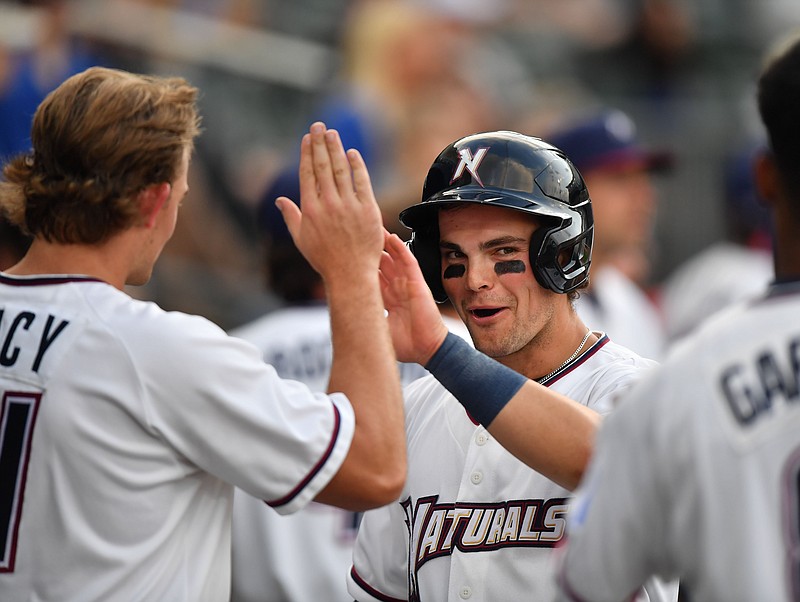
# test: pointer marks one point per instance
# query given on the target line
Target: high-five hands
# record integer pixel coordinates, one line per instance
(338, 226)
(414, 320)
(339, 229)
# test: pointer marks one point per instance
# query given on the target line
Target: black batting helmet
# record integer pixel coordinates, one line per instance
(508, 169)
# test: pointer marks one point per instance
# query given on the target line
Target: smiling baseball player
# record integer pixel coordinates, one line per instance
(504, 231)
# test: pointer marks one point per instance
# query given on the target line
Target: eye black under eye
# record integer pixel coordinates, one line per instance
(454, 271)
(509, 267)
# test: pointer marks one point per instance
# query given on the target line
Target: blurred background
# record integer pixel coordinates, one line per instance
(400, 79)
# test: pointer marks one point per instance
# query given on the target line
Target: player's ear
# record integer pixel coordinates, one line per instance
(151, 200)
(767, 177)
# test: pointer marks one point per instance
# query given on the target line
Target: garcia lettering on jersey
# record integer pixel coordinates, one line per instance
(439, 529)
(752, 388)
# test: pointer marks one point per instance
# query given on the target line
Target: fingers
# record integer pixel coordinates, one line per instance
(363, 185)
(308, 180)
(342, 173)
(387, 269)
(291, 215)
(323, 160)
(319, 162)
(384, 272)
(399, 251)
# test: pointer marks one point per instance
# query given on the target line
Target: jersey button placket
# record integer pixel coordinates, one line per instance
(465, 592)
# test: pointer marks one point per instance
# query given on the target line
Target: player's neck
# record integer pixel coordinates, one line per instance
(787, 246)
(559, 344)
(102, 261)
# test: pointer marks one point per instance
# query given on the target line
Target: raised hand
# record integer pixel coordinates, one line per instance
(338, 226)
(415, 323)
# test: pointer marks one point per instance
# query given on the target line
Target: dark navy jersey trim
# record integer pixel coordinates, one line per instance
(294, 492)
(371, 590)
(43, 280)
(781, 288)
(599, 344)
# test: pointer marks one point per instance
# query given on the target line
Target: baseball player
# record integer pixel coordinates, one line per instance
(124, 428)
(697, 473)
(504, 231)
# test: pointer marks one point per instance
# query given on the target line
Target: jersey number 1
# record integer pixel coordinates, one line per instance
(17, 417)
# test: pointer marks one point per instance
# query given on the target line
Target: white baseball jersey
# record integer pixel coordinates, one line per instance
(721, 275)
(123, 431)
(473, 522)
(304, 556)
(698, 473)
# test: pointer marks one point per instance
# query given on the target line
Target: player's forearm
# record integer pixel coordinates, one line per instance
(365, 369)
(551, 433)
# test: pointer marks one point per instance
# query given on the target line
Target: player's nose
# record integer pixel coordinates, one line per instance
(480, 275)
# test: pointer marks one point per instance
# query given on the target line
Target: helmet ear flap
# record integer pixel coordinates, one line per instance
(535, 251)
(561, 256)
(424, 244)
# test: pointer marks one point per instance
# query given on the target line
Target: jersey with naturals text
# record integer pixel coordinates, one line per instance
(123, 431)
(473, 522)
(698, 473)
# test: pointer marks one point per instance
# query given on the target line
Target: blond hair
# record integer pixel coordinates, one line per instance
(98, 139)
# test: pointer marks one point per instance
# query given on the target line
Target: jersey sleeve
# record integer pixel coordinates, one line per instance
(620, 508)
(213, 398)
(380, 557)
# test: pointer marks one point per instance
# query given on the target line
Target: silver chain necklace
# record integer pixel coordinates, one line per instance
(546, 378)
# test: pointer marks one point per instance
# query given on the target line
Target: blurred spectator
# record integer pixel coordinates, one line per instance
(391, 50)
(31, 72)
(590, 24)
(617, 170)
(655, 57)
(435, 116)
(730, 270)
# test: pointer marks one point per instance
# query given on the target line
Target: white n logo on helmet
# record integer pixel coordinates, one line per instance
(470, 163)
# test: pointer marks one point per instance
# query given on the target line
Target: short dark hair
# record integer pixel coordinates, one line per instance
(779, 107)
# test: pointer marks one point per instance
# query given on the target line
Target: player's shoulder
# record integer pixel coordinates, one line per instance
(611, 361)
(741, 328)
(423, 388)
(425, 396)
(145, 318)
(603, 373)
(147, 330)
